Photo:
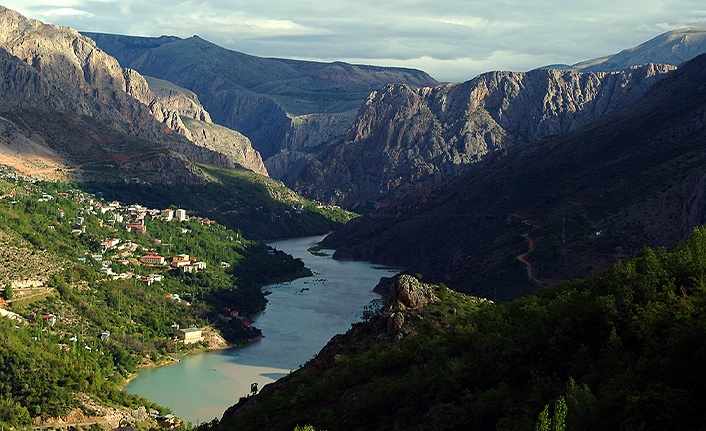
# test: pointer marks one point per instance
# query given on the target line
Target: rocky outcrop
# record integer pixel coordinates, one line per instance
(181, 100)
(181, 111)
(404, 138)
(282, 106)
(234, 145)
(48, 67)
(403, 294)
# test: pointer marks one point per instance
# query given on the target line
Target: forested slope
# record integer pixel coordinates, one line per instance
(621, 351)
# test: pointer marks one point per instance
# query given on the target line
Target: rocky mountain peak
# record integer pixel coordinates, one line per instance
(673, 47)
(67, 72)
(404, 137)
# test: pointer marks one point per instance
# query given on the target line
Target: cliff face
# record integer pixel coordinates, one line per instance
(570, 204)
(404, 138)
(183, 112)
(285, 107)
(93, 81)
(47, 67)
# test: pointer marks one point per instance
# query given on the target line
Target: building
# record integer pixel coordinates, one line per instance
(152, 258)
(180, 215)
(110, 244)
(194, 267)
(136, 227)
(168, 215)
(50, 319)
(180, 260)
(189, 335)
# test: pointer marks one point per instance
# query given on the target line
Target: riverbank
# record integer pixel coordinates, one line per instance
(301, 316)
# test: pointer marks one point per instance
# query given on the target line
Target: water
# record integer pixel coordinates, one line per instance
(300, 318)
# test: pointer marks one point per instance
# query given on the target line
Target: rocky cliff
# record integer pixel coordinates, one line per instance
(181, 109)
(47, 67)
(564, 207)
(404, 137)
(282, 106)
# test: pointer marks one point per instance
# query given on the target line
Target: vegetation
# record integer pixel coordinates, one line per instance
(110, 316)
(257, 206)
(624, 350)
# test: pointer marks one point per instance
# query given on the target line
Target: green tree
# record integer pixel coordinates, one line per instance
(8, 291)
(557, 422)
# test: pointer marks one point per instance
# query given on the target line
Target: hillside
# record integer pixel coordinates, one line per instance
(85, 302)
(673, 47)
(52, 75)
(257, 206)
(621, 351)
(585, 198)
(281, 105)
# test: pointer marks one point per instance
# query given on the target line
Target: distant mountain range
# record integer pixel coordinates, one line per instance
(285, 107)
(406, 138)
(673, 47)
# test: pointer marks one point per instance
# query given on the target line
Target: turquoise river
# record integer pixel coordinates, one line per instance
(300, 318)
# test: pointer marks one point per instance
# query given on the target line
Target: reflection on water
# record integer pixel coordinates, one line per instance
(300, 318)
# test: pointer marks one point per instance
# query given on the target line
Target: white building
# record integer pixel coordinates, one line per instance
(180, 215)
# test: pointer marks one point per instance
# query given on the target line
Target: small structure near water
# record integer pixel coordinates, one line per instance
(189, 335)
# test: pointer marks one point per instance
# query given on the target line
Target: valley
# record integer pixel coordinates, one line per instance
(547, 225)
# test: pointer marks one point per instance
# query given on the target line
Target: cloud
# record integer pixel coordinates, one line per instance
(452, 40)
(65, 12)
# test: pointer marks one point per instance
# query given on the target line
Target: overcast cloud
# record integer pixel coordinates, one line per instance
(453, 40)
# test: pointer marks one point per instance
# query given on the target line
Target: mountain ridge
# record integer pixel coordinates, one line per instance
(641, 187)
(673, 47)
(285, 107)
(406, 138)
(76, 78)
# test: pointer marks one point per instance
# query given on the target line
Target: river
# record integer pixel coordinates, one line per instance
(300, 318)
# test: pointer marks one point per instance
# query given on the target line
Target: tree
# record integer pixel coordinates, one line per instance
(555, 423)
(8, 291)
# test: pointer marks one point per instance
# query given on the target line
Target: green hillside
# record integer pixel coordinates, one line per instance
(84, 313)
(257, 206)
(621, 351)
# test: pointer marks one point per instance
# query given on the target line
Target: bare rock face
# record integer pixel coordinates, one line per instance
(92, 80)
(230, 143)
(404, 137)
(408, 293)
(185, 102)
(48, 67)
(405, 294)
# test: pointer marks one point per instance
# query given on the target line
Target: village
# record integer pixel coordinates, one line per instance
(118, 257)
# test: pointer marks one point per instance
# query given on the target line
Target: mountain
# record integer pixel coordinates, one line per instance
(581, 200)
(67, 78)
(192, 120)
(69, 111)
(673, 47)
(404, 138)
(285, 107)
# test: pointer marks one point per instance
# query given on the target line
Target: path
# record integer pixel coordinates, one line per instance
(524, 257)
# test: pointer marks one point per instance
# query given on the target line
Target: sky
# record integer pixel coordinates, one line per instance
(453, 40)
